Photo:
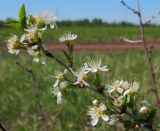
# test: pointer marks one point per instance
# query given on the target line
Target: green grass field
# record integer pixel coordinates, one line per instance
(101, 34)
(19, 110)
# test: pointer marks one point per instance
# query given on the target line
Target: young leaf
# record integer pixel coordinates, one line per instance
(22, 16)
(97, 80)
(128, 124)
(152, 114)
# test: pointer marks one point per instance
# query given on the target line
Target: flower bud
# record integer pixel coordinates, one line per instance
(95, 102)
(144, 109)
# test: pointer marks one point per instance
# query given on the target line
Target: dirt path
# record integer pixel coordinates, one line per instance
(89, 47)
(92, 47)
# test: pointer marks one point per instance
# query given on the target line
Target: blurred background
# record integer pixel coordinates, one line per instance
(27, 105)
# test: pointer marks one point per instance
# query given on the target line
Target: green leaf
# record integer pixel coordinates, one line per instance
(152, 114)
(11, 21)
(14, 25)
(22, 16)
(131, 103)
(23, 129)
(97, 80)
(30, 19)
(140, 120)
(128, 124)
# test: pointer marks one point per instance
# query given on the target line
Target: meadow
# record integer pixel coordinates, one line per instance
(22, 105)
(96, 34)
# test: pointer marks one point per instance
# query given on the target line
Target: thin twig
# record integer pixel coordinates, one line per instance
(2, 127)
(152, 18)
(148, 57)
(129, 8)
(30, 71)
(147, 52)
(48, 54)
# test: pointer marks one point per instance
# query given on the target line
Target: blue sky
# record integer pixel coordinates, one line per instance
(108, 10)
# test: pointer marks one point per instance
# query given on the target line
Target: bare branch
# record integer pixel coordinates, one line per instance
(131, 41)
(152, 18)
(129, 8)
(149, 58)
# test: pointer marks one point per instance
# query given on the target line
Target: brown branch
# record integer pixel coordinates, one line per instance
(148, 57)
(48, 54)
(2, 127)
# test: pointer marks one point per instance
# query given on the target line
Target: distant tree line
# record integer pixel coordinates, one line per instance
(85, 22)
(94, 22)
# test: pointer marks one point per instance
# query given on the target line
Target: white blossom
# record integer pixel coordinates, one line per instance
(13, 44)
(118, 101)
(94, 66)
(33, 34)
(132, 89)
(81, 75)
(47, 18)
(59, 76)
(57, 91)
(97, 112)
(117, 86)
(58, 94)
(37, 55)
(112, 119)
(67, 37)
(125, 85)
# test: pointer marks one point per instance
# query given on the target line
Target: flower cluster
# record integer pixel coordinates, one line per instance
(81, 75)
(121, 91)
(121, 95)
(46, 18)
(31, 39)
(120, 98)
(89, 67)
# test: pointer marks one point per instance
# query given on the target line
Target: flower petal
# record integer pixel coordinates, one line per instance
(102, 107)
(126, 92)
(105, 117)
(120, 90)
(56, 83)
(94, 120)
